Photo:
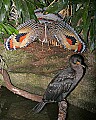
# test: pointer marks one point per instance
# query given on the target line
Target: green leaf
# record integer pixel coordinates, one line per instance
(38, 4)
(86, 20)
(31, 9)
(11, 29)
(19, 8)
(85, 12)
(6, 3)
(79, 1)
(25, 12)
(43, 2)
(92, 43)
(76, 17)
(86, 28)
(0, 4)
(55, 7)
(6, 28)
(2, 13)
(2, 30)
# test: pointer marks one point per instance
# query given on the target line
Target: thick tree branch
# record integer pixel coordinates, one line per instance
(18, 91)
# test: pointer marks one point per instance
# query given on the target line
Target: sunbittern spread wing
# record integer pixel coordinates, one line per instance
(49, 27)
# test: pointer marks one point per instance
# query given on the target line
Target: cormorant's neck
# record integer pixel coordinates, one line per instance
(79, 72)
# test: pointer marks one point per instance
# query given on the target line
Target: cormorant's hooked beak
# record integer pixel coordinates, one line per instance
(78, 63)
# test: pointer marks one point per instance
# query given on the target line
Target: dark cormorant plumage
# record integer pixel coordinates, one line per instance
(64, 82)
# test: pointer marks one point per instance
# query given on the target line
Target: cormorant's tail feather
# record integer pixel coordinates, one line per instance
(39, 107)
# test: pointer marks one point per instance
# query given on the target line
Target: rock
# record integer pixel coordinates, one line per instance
(31, 69)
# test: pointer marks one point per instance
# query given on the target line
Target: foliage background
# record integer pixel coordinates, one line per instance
(82, 17)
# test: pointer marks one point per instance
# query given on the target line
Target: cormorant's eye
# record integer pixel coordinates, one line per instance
(74, 62)
(77, 62)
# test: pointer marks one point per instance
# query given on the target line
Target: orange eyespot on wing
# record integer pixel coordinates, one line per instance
(80, 46)
(14, 41)
(11, 44)
(20, 37)
(66, 36)
(69, 41)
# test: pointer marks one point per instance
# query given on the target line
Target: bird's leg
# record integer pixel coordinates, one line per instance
(50, 42)
(49, 46)
(42, 46)
(62, 110)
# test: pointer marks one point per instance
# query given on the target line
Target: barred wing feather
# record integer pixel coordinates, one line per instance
(28, 32)
(66, 36)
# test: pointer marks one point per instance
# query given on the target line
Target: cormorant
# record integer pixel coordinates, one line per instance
(64, 82)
